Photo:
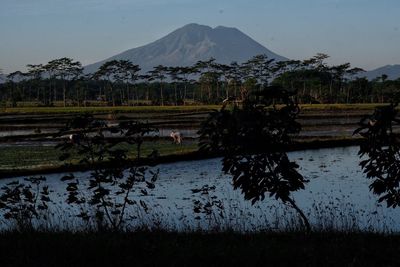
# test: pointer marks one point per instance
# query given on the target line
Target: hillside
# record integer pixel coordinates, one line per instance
(191, 43)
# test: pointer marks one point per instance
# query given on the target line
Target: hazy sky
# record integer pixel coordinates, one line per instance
(363, 32)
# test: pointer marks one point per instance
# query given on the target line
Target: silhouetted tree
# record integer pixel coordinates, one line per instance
(185, 73)
(253, 140)
(146, 79)
(351, 73)
(35, 72)
(158, 73)
(209, 75)
(108, 71)
(114, 176)
(380, 153)
(259, 68)
(119, 82)
(235, 76)
(132, 76)
(173, 73)
(15, 80)
(64, 69)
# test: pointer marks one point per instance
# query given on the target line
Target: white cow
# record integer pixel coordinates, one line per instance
(177, 137)
(74, 139)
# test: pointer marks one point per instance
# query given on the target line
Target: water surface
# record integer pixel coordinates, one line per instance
(337, 196)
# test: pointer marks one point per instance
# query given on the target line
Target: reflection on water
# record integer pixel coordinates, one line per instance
(336, 196)
(25, 132)
(188, 132)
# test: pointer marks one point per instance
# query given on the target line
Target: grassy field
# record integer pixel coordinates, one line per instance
(43, 157)
(147, 109)
(368, 106)
(120, 109)
(36, 157)
(198, 249)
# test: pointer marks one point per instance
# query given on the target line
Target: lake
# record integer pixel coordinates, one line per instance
(337, 197)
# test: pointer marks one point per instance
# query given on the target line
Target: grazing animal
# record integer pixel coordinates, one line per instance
(228, 100)
(177, 137)
(372, 123)
(74, 138)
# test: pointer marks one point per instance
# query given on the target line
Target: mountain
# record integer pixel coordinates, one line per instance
(392, 71)
(191, 43)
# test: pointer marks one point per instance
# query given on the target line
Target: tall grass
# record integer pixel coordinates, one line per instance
(234, 216)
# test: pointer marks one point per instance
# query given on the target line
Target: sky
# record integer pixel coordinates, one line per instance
(365, 33)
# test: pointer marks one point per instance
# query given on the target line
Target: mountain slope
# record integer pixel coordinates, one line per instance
(392, 71)
(191, 43)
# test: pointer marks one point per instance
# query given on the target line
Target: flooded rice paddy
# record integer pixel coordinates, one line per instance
(337, 197)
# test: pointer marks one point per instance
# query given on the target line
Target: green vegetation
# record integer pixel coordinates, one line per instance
(120, 83)
(36, 159)
(119, 109)
(168, 109)
(359, 106)
(252, 137)
(135, 246)
(21, 157)
(253, 141)
(39, 157)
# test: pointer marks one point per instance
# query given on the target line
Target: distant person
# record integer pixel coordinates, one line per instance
(177, 137)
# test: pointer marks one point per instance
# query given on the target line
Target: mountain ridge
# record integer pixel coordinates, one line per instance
(392, 71)
(191, 43)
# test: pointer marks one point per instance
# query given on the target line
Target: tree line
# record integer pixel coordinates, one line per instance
(121, 82)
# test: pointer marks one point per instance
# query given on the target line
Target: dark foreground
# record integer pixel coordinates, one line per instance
(197, 249)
